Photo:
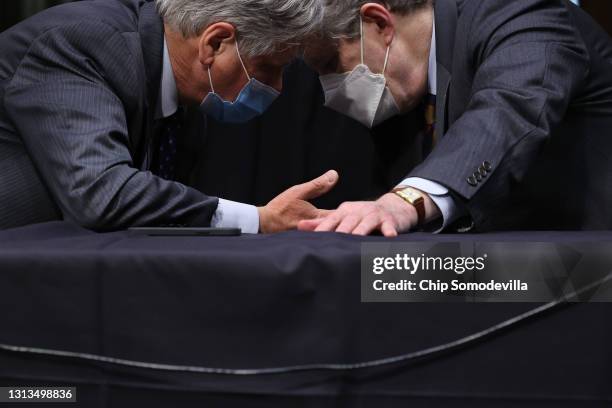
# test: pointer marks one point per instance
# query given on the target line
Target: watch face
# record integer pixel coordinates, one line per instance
(416, 199)
(412, 195)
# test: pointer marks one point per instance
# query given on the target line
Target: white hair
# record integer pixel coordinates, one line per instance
(342, 16)
(263, 26)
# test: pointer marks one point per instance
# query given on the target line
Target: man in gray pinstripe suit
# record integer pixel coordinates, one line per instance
(519, 96)
(86, 91)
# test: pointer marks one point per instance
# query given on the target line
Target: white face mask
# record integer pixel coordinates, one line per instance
(361, 94)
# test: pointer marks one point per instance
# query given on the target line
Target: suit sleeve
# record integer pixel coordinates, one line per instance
(74, 127)
(528, 63)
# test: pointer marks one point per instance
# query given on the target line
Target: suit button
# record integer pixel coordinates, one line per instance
(483, 172)
(478, 177)
(472, 181)
(487, 166)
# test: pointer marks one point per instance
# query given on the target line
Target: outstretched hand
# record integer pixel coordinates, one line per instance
(390, 215)
(286, 210)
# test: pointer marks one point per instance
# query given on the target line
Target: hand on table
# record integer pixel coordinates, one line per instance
(389, 215)
(285, 211)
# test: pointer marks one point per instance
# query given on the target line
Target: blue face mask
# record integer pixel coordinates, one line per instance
(254, 99)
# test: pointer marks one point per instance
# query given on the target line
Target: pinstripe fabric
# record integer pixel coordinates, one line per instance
(79, 88)
(524, 115)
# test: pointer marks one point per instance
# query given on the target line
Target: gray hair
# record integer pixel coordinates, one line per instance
(263, 26)
(342, 16)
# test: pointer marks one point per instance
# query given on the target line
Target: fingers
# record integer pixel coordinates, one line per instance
(355, 224)
(388, 229)
(368, 225)
(309, 225)
(324, 213)
(354, 218)
(348, 224)
(312, 223)
(315, 188)
(330, 223)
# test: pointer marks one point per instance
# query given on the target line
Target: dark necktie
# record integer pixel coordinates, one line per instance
(171, 130)
(429, 141)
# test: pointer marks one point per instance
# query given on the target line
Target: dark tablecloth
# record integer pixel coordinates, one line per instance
(272, 301)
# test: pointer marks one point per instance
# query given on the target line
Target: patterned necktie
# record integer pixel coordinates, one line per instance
(171, 130)
(429, 141)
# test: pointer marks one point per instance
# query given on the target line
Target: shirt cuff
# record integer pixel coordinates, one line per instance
(231, 214)
(440, 195)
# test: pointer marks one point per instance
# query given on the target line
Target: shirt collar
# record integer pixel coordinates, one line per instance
(433, 63)
(167, 104)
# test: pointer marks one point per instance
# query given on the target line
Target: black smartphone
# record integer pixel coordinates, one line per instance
(187, 232)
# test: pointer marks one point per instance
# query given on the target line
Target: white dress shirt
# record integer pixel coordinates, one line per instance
(438, 193)
(229, 214)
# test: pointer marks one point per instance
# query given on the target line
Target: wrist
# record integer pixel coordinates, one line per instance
(427, 210)
(405, 214)
(263, 220)
(413, 197)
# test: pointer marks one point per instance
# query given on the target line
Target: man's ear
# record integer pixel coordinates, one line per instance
(213, 40)
(378, 14)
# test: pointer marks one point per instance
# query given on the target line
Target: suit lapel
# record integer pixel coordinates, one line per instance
(446, 24)
(444, 79)
(151, 31)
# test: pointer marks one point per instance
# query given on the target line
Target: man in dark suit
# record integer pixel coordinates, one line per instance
(521, 94)
(90, 108)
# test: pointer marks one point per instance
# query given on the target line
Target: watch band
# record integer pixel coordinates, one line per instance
(413, 197)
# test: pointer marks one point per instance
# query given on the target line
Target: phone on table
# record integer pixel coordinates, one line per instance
(187, 232)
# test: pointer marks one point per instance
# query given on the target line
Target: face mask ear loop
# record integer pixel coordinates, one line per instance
(361, 34)
(242, 62)
(386, 60)
(212, 87)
